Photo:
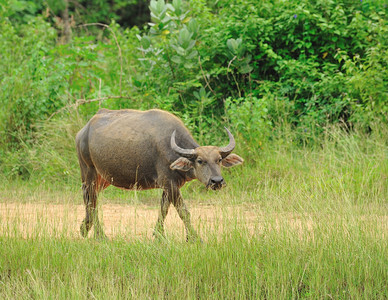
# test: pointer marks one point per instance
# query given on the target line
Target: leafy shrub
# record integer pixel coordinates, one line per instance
(26, 80)
(249, 118)
(265, 67)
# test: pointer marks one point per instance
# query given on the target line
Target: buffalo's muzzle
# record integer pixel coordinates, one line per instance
(216, 182)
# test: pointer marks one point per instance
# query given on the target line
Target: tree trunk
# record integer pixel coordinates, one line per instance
(66, 33)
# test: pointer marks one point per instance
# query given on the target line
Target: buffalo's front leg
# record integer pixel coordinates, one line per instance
(184, 214)
(164, 206)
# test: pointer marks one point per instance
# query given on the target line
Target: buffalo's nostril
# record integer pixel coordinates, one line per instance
(216, 180)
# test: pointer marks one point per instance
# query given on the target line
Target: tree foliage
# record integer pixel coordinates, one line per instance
(259, 65)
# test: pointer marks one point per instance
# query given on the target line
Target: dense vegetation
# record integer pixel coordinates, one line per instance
(270, 70)
(303, 85)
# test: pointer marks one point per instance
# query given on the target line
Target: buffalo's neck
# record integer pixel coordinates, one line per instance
(185, 140)
(189, 175)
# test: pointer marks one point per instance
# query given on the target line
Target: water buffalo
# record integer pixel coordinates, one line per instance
(133, 149)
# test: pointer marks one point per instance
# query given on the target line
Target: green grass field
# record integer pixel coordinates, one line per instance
(310, 224)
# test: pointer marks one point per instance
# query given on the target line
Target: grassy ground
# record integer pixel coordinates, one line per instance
(317, 228)
(319, 255)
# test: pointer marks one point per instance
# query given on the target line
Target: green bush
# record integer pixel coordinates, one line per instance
(271, 69)
(294, 51)
(249, 117)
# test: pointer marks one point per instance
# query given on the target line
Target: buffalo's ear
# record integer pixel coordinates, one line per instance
(181, 164)
(232, 160)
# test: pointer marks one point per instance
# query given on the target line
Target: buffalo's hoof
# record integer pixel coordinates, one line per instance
(159, 235)
(193, 239)
(100, 236)
(84, 229)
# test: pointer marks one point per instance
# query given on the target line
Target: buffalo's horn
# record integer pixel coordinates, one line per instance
(225, 151)
(188, 153)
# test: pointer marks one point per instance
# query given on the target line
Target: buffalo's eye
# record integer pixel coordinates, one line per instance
(219, 160)
(200, 161)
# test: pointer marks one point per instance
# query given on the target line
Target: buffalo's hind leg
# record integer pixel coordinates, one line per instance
(90, 188)
(87, 223)
(164, 206)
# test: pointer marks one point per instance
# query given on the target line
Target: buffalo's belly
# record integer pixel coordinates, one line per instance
(129, 178)
(138, 185)
(123, 162)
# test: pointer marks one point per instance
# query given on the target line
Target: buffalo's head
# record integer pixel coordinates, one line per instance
(206, 161)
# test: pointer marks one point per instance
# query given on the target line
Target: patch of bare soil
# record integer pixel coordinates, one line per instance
(29, 219)
(138, 221)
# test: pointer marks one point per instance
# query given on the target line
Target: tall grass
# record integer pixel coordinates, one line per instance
(317, 228)
(325, 256)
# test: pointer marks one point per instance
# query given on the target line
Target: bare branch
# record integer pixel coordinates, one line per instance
(79, 102)
(234, 77)
(204, 77)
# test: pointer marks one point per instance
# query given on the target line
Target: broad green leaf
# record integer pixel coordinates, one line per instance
(232, 45)
(188, 65)
(145, 42)
(244, 69)
(176, 59)
(192, 54)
